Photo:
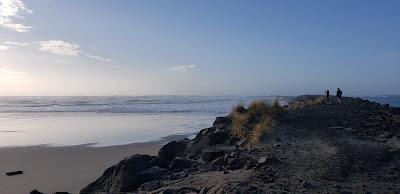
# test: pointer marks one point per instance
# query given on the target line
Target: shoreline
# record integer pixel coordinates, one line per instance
(65, 168)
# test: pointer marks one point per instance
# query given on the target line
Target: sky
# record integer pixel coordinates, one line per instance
(179, 47)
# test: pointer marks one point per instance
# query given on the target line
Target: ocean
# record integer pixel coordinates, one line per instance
(116, 120)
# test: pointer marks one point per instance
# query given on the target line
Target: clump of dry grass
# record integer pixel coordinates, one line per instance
(303, 101)
(252, 123)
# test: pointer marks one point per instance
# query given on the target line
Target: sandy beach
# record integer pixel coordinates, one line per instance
(69, 169)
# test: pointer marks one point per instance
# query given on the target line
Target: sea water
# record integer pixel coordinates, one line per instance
(116, 120)
(104, 121)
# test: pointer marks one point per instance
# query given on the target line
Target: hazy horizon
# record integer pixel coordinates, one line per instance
(208, 48)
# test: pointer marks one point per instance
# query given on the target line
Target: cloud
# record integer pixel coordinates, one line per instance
(9, 11)
(61, 61)
(115, 66)
(10, 72)
(17, 43)
(3, 48)
(182, 68)
(59, 47)
(100, 58)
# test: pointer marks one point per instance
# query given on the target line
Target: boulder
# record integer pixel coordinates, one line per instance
(153, 173)
(305, 184)
(236, 163)
(209, 155)
(181, 163)
(240, 142)
(394, 143)
(262, 160)
(127, 175)
(150, 186)
(173, 149)
(207, 138)
(217, 164)
(222, 122)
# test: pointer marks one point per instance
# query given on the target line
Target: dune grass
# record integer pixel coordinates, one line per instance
(304, 101)
(255, 121)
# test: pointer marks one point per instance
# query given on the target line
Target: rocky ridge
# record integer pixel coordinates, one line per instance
(316, 147)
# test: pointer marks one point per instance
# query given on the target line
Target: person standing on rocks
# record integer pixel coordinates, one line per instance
(339, 95)
(327, 95)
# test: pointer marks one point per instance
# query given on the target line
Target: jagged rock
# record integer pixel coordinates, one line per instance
(126, 176)
(222, 122)
(152, 173)
(262, 160)
(181, 163)
(236, 163)
(173, 149)
(207, 138)
(209, 155)
(150, 186)
(241, 142)
(217, 163)
(305, 184)
(386, 135)
(394, 143)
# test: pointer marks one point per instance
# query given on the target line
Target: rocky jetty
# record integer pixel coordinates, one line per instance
(313, 146)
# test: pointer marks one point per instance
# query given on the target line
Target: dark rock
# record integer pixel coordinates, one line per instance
(262, 160)
(204, 190)
(35, 192)
(207, 138)
(150, 186)
(126, 176)
(241, 142)
(236, 163)
(152, 173)
(222, 122)
(209, 155)
(181, 163)
(62, 193)
(217, 163)
(173, 149)
(305, 184)
(386, 135)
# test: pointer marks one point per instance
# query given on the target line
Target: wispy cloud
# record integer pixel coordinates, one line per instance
(115, 66)
(10, 72)
(17, 43)
(11, 10)
(70, 49)
(100, 58)
(59, 47)
(3, 48)
(60, 61)
(182, 68)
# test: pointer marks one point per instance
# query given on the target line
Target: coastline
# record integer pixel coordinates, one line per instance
(65, 168)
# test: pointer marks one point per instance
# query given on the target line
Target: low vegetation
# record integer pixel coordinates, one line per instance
(255, 121)
(304, 101)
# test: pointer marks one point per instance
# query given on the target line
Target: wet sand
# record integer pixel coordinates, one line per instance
(69, 168)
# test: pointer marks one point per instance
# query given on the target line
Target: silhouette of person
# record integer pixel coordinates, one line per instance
(327, 94)
(339, 95)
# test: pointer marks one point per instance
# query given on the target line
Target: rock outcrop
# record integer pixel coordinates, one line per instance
(128, 175)
(317, 147)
